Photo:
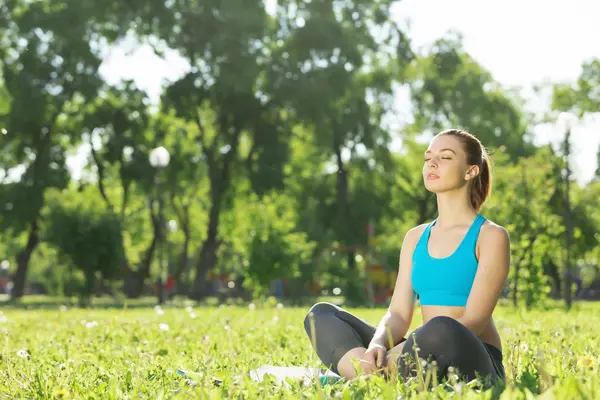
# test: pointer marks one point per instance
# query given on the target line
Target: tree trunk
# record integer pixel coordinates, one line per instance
(344, 207)
(134, 280)
(23, 258)
(208, 252)
(220, 181)
(183, 266)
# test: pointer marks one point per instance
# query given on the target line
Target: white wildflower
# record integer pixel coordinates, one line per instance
(275, 318)
(189, 309)
(279, 306)
(252, 306)
(23, 353)
(458, 387)
(3, 319)
(159, 310)
(91, 324)
(524, 347)
(193, 315)
(163, 327)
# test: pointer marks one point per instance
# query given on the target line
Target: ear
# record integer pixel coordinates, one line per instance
(472, 172)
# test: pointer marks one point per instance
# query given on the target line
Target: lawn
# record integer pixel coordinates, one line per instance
(135, 351)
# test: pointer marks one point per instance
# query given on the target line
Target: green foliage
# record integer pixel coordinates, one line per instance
(275, 247)
(583, 96)
(89, 236)
(278, 128)
(450, 89)
(534, 226)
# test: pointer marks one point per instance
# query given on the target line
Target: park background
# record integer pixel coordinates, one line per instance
(260, 156)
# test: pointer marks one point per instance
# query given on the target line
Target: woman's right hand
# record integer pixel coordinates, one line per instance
(374, 359)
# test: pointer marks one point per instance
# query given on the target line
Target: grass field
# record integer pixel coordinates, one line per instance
(133, 352)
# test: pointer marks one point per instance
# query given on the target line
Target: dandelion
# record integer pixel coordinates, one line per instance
(163, 327)
(3, 319)
(23, 353)
(91, 324)
(63, 308)
(159, 310)
(458, 387)
(586, 362)
(193, 315)
(275, 318)
(189, 309)
(524, 347)
(252, 306)
(279, 306)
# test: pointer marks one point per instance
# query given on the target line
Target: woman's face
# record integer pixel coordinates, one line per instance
(445, 166)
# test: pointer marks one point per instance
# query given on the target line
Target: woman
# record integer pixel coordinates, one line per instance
(457, 265)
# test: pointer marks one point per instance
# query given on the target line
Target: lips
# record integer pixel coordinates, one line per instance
(432, 176)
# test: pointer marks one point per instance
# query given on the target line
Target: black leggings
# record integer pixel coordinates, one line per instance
(442, 339)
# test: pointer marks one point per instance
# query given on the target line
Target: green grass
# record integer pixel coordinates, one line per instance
(114, 353)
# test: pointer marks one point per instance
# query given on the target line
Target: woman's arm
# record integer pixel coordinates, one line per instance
(492, 270)
(396, 321)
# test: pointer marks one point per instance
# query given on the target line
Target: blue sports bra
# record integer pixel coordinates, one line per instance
(445, 281)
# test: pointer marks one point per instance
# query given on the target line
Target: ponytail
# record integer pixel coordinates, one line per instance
(482, 184)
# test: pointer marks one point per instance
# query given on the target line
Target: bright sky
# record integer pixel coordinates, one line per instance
(519, 42)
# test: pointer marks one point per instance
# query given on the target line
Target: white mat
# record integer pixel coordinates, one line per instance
(306, 375)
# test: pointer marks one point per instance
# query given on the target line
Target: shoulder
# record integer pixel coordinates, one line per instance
(415, 233)
(491, 231)
(493, 238)
(409, 244)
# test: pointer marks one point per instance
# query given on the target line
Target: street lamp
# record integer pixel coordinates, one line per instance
(566, 121)
(159, 159)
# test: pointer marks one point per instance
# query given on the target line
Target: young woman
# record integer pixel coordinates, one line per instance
(457, 265)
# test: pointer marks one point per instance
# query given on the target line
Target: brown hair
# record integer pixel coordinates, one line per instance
(481, 187)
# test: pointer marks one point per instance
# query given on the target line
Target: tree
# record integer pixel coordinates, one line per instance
(89, 236)
(47, 63)
(334, 76)
(451, 90)
(224, 44)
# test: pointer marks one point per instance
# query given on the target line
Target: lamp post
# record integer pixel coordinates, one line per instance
(566, 122)
(159, 159)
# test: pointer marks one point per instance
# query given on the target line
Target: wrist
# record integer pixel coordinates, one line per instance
(376, 344)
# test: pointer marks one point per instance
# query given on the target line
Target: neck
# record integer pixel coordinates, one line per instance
(454, 208)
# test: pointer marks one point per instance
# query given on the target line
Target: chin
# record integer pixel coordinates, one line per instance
(437, 186)
(433, 186)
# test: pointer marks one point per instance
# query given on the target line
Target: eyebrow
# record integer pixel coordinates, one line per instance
(446, 149)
